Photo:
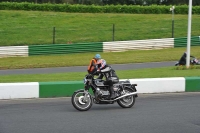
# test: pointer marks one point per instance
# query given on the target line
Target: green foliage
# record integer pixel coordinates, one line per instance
(185, 68)
(152, 9)
(195, 10)
(110, 2)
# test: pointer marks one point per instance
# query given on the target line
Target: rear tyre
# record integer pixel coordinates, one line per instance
(127, 102)
(79, 102)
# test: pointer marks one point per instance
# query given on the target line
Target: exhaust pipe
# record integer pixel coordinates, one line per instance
(129, 94)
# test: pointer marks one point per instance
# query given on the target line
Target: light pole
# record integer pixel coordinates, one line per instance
(189, 33)
(172, 9)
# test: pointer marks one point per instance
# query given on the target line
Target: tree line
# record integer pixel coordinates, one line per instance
(112, 2)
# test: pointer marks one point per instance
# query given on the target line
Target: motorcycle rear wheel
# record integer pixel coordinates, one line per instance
(78, 101)
(127, 102)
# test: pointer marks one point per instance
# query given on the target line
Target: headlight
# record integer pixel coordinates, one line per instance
(84, 80)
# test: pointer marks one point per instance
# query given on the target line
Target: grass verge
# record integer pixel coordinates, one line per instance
(83, 59)
(123, 74)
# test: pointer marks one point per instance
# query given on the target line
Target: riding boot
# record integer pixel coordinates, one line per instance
(112, 94)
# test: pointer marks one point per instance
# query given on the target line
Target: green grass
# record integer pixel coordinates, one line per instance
(111, 58)
(123, 74)
(136, 56)
(36, 27)
(33, 27)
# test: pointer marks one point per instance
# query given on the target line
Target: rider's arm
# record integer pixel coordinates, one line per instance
(93, 63)
(89, 67)
(103, 64)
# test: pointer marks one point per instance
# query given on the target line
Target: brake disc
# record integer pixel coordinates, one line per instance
(80, 100)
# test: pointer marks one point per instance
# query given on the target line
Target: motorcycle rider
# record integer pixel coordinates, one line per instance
(100, 65)
(92, 66)
(110, 76)
(182, 60)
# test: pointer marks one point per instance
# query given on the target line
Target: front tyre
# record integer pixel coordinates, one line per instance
(81, 101)
(127, 102)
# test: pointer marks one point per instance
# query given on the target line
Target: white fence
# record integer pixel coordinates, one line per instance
(119, 46)
(11, 51)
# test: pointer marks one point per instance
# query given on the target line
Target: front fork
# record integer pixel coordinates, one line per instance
(86, 96)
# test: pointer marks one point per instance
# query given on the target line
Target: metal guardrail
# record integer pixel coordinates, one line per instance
(12, 51)
(65, 48)
(119, 46)
(182, 41)
(115, 46)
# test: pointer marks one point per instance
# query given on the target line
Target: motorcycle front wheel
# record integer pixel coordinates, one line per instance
(81, 101)
(127, 102)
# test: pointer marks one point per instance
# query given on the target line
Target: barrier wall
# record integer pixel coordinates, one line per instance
(192, 84)
(59, 89)
(19, 90)
(66, 88)
(159, 85)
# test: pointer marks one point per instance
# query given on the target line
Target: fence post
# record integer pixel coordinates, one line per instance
(172, 9)
(54, 32)
(113, 37)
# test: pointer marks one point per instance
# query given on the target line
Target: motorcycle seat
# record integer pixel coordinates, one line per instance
(124, 82)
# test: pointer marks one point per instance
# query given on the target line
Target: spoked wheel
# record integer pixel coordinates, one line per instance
(127, 102)
(81, 101)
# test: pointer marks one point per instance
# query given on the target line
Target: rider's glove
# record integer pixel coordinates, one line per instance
(98, 71)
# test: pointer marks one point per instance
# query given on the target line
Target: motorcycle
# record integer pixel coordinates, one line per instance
(193, 61)
(125, 93)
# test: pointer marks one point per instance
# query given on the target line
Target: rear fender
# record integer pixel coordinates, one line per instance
(133, 87)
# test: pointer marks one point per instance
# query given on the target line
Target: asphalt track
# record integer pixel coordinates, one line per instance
(84, 68)
(152, 113)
